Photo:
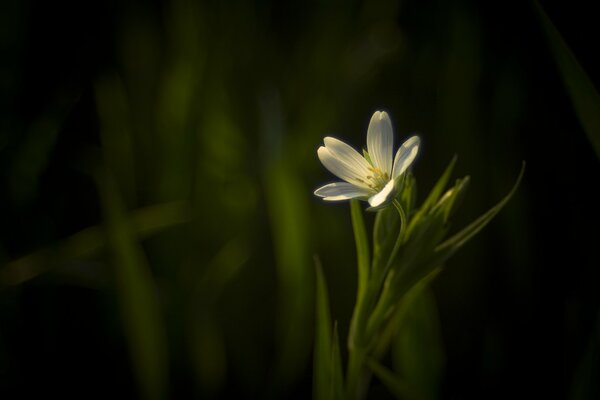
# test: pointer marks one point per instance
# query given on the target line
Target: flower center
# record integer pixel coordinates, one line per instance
(378, 179)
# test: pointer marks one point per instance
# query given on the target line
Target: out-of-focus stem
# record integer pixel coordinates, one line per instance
(357, 377)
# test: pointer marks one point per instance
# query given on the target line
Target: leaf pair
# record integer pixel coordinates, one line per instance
(408, 251)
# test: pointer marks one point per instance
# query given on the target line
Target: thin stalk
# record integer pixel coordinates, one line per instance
(357, 375)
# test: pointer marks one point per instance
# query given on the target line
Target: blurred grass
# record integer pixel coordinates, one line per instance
(206, 341)
(286, 199)
(138, 297)
(207, 117)
(89, 242)
(581, 90)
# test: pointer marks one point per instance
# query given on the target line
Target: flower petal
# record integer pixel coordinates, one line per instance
(346, 154)
(340, 168)
(341, 191)
(405, 156)
(385, 196)
(380, 141)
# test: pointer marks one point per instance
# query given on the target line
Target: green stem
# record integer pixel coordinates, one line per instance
(399, 242)
(380, 309)
(403, 225)
(357, 375)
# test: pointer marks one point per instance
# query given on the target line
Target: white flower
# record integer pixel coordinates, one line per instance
(374, 178)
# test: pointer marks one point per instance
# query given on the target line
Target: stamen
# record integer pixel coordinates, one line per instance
(377, 179)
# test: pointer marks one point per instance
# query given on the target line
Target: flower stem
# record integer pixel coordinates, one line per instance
(359, 338)
(403, 224)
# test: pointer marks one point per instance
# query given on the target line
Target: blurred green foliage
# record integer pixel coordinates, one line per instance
(157, 163)
(581, 90)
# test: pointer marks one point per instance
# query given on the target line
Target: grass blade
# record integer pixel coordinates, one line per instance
(434, 195)
(88, 242)
(439, 187)
(455, 242)
(140, 309)
(581, 90)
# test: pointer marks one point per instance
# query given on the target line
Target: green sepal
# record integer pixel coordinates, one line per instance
(367, 157)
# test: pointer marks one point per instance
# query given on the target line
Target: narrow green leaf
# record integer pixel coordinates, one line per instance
(452, 198)
(396, 386)
(140, 308)
(455, 242)
(383, 341)
(421, 243)
(439, 187)
(396, 290)
(434, 195)
(362, 248)
(581, 90)
(419, 258)
(323, 348)
(408, 193)
(385, 232)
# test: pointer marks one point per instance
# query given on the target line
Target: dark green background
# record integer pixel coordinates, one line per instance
(223, 105)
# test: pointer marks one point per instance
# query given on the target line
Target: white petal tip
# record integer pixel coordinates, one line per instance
(329, 139)
(339, 191)
(412, 141)
(384, 197)
(405, 156)
(383, 115)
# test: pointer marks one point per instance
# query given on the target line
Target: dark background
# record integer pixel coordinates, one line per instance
(223, 105)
